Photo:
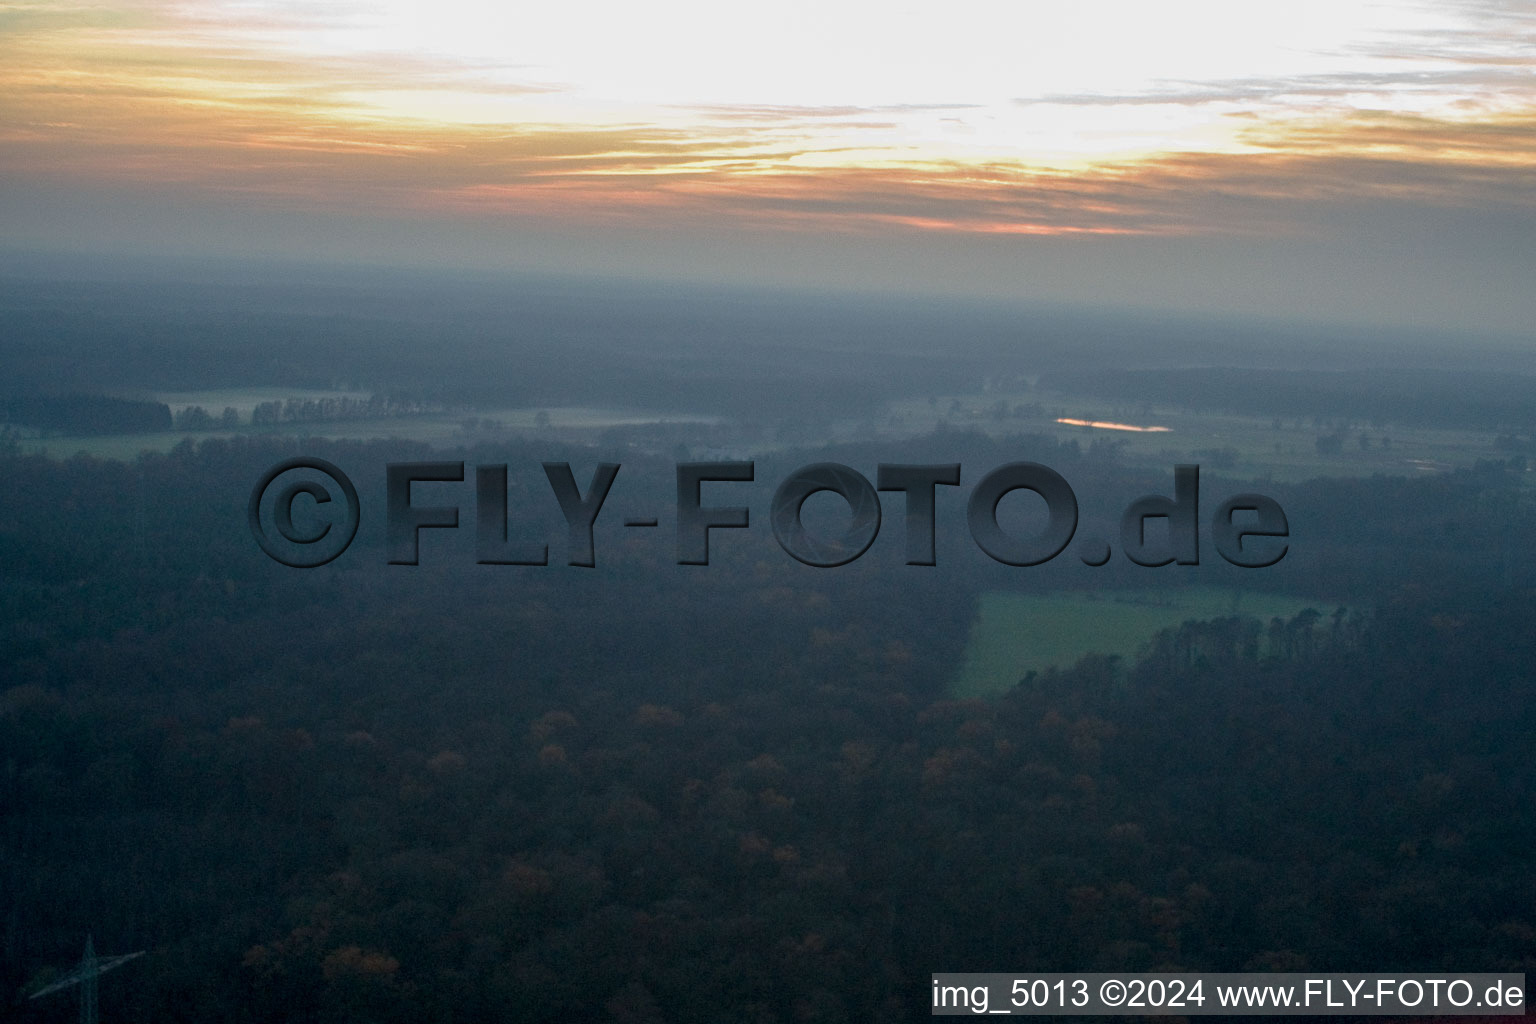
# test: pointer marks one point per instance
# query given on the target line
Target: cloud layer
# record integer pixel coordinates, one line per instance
(1027, 121)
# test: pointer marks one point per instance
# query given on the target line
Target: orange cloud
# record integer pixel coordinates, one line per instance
(126, 97)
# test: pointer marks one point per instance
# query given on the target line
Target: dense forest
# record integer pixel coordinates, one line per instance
(651, 792)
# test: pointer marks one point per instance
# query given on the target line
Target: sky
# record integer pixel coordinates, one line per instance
(1358, 161)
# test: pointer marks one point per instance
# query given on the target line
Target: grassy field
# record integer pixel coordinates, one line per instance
(1018, 633)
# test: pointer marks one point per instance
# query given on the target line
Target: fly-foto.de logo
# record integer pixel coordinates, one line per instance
(1248, 530)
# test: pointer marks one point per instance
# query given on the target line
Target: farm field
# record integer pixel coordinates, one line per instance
(1015, 634)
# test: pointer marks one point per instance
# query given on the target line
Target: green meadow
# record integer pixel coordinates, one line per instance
(1018, 633)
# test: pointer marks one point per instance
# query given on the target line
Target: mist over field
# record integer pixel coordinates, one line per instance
(654, 514)
(646, 790)
(508, 340)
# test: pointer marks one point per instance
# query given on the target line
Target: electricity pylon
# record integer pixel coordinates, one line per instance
(85, 976)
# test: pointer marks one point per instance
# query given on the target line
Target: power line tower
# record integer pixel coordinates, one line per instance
(91, 967)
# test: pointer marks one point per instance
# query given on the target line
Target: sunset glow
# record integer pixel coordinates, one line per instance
(997, 118)
(1105, 425)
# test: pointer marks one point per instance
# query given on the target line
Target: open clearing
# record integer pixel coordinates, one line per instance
(1018, 633)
